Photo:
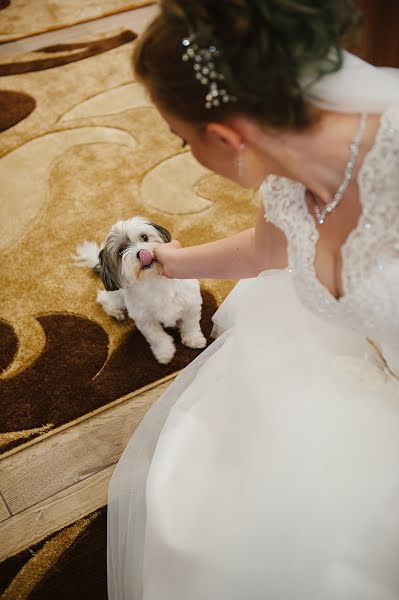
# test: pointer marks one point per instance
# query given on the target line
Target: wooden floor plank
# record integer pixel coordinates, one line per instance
(29, 527)
(55, 464)
(4, 512)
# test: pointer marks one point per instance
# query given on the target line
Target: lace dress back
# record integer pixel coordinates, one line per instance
(370, 255)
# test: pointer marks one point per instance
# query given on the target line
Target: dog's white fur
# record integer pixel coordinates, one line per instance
(151, 300)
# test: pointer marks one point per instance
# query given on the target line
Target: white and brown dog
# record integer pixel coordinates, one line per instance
(134, 285)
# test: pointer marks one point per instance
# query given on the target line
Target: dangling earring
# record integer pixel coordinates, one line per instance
(240, 161)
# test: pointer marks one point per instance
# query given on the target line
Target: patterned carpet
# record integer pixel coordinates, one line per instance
(69, 564)
(81, 147)
(18, 20)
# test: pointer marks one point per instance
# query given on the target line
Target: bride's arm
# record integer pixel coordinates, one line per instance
(239, 256)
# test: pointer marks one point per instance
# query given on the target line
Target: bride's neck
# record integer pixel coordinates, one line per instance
(317, 157)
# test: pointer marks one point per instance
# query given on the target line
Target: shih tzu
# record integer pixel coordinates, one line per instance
(134, 286)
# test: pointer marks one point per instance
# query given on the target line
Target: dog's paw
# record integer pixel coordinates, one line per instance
(194, 340)
(119, 314)
(164, 351)
(108, 303)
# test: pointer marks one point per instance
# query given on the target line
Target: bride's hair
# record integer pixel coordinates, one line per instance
(267, 48)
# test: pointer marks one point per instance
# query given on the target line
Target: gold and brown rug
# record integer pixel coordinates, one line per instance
(22, 18)
(81, 147)
(71, 563)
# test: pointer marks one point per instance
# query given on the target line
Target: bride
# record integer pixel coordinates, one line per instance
(269, 470)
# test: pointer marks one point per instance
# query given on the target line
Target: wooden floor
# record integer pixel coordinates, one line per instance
(63, 476)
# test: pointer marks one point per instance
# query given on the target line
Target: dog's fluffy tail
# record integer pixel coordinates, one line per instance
(87, 255)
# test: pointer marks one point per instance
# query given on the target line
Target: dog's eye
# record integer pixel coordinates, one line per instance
(144, 238)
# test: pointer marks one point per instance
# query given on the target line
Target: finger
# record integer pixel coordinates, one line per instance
(175, 244)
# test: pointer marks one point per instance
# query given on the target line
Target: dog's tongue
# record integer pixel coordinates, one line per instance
(145, 257)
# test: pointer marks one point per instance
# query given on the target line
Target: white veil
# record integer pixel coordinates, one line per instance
(356, 87)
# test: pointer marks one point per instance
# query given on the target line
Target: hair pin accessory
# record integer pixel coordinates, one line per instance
(205, 71)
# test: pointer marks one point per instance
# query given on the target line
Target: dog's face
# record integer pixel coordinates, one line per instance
(120, 266)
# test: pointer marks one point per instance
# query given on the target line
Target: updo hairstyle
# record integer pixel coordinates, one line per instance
(267, 48)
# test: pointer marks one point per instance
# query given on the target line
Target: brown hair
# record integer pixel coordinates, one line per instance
(265, 46)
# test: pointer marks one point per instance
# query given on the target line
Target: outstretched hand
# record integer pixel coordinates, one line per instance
(164, 254)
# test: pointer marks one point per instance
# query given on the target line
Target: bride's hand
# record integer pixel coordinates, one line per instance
(165, 255)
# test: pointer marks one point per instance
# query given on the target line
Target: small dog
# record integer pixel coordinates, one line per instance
(134, 285)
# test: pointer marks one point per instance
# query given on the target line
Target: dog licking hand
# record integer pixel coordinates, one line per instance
(134, 285)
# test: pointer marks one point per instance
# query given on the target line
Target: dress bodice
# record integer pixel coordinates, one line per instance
(370, 255)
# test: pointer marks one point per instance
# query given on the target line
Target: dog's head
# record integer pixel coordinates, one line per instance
(120, 265)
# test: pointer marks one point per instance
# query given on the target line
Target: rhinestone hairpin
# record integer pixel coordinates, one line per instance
(205, 71)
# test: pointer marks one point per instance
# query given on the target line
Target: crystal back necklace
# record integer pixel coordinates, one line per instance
(348, 171)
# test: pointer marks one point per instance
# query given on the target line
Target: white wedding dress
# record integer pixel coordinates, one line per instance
(269, 470)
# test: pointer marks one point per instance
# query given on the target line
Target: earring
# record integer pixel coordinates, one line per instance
(240, 161)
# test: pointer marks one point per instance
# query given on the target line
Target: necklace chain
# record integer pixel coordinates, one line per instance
(348, 171)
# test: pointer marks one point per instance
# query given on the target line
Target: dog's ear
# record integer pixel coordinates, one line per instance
(107, 271)
(164, 233)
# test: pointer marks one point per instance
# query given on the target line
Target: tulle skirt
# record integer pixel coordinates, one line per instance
(269, 470)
